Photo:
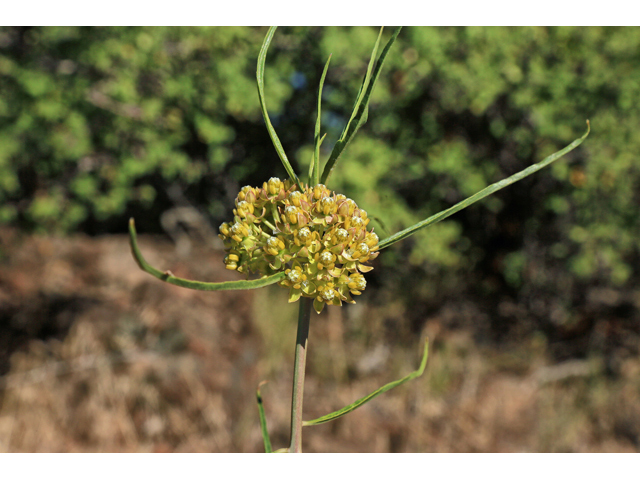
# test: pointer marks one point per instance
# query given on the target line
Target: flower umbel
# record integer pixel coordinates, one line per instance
(317, 237)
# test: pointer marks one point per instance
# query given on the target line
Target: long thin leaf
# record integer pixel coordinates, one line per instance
(365, 85)
(361, 106)
(314, 168)
(363, 400)
(272, 133)
(482, 193)
(263, 422)
(192, 284)
(351, 127)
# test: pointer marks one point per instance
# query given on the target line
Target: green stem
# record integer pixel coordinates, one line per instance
(268, 224)
(304, 315)
(274, 212)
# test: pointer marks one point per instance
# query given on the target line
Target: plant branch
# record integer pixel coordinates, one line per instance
(304, 315)
(365, 399)
(169, 277)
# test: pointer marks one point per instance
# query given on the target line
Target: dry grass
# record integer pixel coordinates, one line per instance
(101, 357)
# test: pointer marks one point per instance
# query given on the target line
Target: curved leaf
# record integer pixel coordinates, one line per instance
(314, 168)
(361, 106)
(363, 400)
(272, 133)
(192, 284)
(482, 193)
(263, 422)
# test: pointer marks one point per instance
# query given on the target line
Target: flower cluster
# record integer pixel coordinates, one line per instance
(317, 237)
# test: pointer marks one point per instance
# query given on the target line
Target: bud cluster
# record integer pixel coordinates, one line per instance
(317, 237)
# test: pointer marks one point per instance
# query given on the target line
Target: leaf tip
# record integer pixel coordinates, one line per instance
(258, 392)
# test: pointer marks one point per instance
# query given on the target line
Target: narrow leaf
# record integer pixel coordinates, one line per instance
(192, 284)
(272, 133)
(361, 107)
(363, 400)
(482, 193)
(263, 422)
(314, 168)
(365, 85)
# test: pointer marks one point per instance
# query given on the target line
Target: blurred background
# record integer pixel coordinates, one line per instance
(530, 298)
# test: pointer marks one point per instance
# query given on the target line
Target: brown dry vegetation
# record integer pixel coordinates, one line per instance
(98, 356)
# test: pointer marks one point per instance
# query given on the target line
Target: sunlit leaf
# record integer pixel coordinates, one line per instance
(482, 193)
(192, 284)
(363, 400)
(263, 106)
(314, 168)
(263, 422)
(361, 106)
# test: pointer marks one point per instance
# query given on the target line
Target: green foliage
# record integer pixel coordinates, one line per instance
(98, 123)
(94, 120)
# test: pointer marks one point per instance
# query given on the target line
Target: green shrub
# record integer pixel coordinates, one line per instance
(98, 122)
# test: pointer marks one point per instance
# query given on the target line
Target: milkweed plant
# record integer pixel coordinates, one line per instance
(313, 241)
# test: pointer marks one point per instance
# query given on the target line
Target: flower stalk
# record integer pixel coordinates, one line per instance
(304, 315)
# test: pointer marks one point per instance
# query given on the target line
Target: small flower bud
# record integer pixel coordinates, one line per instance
(319, 191)
(328, 294)
(274, 245)
(327, 205)
(247, 193)
(295, 197)
(304, 234)
(371, 239)
(356, 222)
(239, 231)
(342, 235)
(224, 229)
(363, 249)
(231, 261)
(244, 208)
(326, 259)
(274, 185)
(346, 208)
(291, 213)
(294, 276)
(357, 283)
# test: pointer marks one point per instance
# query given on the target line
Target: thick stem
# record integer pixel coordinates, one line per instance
(304, 315)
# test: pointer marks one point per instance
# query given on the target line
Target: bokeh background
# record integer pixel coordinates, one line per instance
(530, 298)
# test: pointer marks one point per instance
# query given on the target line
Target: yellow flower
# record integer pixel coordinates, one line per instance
(327, 205)
(318, 238)
(320, 191)
(243, 209)
(231, 261)
(294, 277)
(357, 283)
(325, 259)
(247, 194)
(291, 213)
(239, 231)
(295, 197)
(274, 185)
(274, 245)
